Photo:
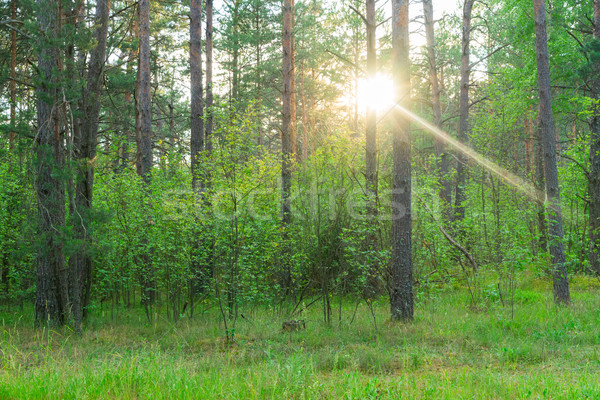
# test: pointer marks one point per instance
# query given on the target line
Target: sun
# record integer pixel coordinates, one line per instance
(377, 93)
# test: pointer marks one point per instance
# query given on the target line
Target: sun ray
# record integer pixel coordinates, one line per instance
(513, 180)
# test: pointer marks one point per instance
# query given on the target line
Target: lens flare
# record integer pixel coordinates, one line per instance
(513, 180)
(377, 93)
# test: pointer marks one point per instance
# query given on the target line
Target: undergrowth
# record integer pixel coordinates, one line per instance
(530, 350)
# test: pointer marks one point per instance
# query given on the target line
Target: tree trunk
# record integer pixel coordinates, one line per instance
(555, 228)
(143, 97)
(51, 305)
(160, 135)
(13, 77)
(287, 128)
(540, 186)
(235, 84)
(80, 263)
(401, 285)
(197, 108)
(463, 124)
(371, 183)
(594, 175)
(209, 77)
(293, 113)
(304, 114)
(371, 122)
(439, 146)
(143, 113)
(258, 98)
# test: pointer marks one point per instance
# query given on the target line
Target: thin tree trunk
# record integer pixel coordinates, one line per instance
(439, 146)
(371, 134)
(594, 175)
(128, 100)
(143, 96)
(288, 136)
(304, 114)
(144, 138)
(13, 77)
(356, 80)
(540, 185)
(197, 129)
(293, 114)
(401, 285)
(555, 228)
(258, 98)
(287, 129)
(161, 135)
(463, 124)
(197, 107)
(235, 84)
(209, 77)
(208, 268)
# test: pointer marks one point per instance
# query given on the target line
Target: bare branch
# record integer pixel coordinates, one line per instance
(359, 14)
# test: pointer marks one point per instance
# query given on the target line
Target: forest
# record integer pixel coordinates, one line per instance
(357, 199)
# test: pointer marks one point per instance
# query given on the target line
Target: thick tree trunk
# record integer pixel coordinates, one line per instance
(594, 175)
(85, 151)
(439, 146)
(52, 301)
(555, 228)
(401, 285)
(463, 124)
(287, 128)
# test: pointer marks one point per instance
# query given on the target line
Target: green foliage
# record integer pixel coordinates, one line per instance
(448, 352)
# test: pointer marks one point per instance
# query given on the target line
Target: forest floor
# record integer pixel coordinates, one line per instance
(451, 350)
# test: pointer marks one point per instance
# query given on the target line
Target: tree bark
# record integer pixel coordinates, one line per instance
(304, 114)
(235, 84)
(13, 78)
(287, 128)
(258, 98)
(594, 175)
(540, 185)
(293, 113)
(439, 146)
(143, 109)
(197, 107)
(144, 139)
(209, 78)
(401, 285)
(85, 153)
(555, 228)
(371, 122)
(51, 304)
(463, 124)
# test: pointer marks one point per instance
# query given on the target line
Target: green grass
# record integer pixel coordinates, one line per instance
(448, 352)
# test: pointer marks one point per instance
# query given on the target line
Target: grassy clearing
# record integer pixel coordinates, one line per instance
(448, 352)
